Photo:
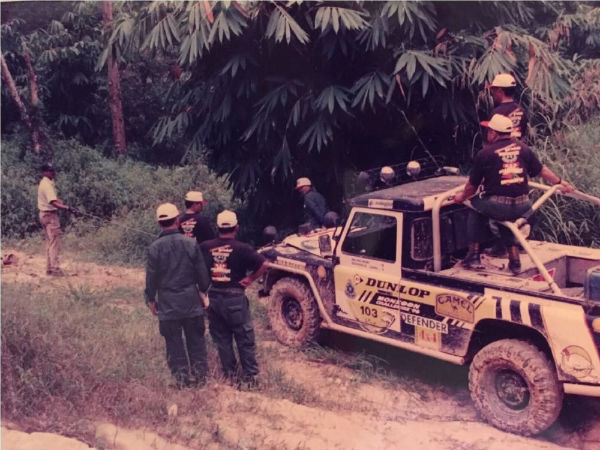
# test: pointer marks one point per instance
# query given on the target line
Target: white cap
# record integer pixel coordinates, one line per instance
(195, 196)
(503, 80)
(301, 182)
(166, 211)
(499, 123)
(226, 219)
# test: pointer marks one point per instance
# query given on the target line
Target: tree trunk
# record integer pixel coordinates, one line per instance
(35, 100)
(114, 89)
(12, 87)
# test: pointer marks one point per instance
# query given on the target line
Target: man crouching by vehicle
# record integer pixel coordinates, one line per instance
(229, 261)
(176, 274)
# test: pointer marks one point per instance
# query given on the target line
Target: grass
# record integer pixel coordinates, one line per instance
(573, 154)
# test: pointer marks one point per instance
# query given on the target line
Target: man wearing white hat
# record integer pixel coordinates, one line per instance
(502, 89)
(191, 222)
(176, 276)
(233, 266)
(503, 167)
(315, 206)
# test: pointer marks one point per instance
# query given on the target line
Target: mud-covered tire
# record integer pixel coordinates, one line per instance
(514, 387)
(293, 313)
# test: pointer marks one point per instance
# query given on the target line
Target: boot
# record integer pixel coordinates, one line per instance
(473, 258)
(514, 260)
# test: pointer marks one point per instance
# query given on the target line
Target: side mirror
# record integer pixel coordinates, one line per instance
(325, 245)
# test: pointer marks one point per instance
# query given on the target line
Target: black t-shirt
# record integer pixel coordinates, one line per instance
(229, 261)
(504, 168)
(194, 225)
(516, 114)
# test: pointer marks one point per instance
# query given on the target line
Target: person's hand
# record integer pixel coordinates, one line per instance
(460, 197)
(153, 308)
(205, 300)
(565, 186)
(245, 282)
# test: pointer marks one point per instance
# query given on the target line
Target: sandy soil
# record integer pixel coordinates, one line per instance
(414, 413)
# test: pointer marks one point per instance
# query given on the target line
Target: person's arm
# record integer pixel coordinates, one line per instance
(151, 284)
(202, 277)
(58, 204)
(549, 176)
(249, 279)
(466, 193)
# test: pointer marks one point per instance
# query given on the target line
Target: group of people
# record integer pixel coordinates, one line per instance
(189, 271)
(502, 169)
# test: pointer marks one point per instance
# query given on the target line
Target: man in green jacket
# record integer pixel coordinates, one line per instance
(176, 282)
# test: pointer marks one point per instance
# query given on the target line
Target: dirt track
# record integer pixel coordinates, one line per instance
(425, 404)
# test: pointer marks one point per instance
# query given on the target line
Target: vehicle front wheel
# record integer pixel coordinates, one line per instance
(514, 386)
(293, 312)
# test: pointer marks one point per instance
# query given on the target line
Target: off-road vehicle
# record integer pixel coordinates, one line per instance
(391, 273)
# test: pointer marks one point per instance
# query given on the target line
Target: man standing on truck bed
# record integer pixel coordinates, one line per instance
(503, 89)
(503, 167)
(229, 261)
(176, 276)
(191, 222)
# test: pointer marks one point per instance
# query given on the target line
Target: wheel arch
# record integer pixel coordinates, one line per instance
(487, 331)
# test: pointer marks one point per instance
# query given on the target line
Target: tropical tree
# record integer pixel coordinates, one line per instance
(273, 90)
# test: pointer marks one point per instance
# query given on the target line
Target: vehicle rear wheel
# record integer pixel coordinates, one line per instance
(514, 386)
(293, 312)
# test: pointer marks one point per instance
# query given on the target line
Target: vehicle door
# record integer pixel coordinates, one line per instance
(369, 270)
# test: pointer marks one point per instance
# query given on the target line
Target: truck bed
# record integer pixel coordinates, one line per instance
(567, 264)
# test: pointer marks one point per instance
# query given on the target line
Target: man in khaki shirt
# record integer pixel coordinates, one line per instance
(49, 204)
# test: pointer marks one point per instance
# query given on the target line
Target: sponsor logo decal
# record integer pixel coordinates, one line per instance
(424, 322)
(540, 277)
(381, 203)
(455, 306)
(350, 291)
(290, 263)
(427, 338)
(575, 361)
(387, 286)
(287, 250)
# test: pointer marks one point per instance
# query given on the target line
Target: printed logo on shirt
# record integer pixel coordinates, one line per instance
(188, 227)
(220, 271)
(511, 171)
(515, 116)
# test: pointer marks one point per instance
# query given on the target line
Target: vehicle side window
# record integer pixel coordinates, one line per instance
(373, 236)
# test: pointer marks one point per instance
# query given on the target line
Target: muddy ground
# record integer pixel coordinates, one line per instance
(420, 403)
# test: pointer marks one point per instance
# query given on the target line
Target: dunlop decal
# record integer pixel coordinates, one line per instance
(455, 306)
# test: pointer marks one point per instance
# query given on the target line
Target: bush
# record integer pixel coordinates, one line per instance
(118, 197)
(572, 153)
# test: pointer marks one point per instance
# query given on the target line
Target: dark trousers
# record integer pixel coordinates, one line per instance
(486, 209)
(195, 346)
(229, 317)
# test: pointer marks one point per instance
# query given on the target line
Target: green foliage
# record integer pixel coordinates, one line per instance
(573, 154)
(272, 90)
(117, 197)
